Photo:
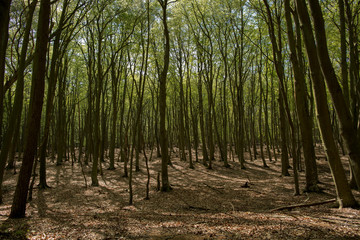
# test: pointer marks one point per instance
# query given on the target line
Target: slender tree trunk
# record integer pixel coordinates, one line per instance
(201, 116)
(353, 64)
(223, 142)
(284, 105)
(345, 197)
(344, 65)
(348, 130)
(114, 89)
(266, 116)
(188, 102)
(97, 123)
(4, 33)
(182, 103)
(252, 113)
(19, 95)
(54, 68)
(162, 102)
(36, 101)
(14, 146)
(61, 119)
(210, 125)
(194, 120)
(273, 135)
(284, 148)
(301, 104)
(260, 68)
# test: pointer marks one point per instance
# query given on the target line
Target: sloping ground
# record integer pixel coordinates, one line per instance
(204, 204)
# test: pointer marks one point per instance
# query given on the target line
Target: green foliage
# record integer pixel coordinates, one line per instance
(218, 44)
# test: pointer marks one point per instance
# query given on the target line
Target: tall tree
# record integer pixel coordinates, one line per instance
(344, 194)
(35, 108)
(19, 95)
(344, 65)
(283, 101)
(4, 33)
(276, 42)
(301, 102)
(63, 34)
(348, 129)
(162, 101)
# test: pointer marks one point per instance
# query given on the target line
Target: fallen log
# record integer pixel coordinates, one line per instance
(303, 205)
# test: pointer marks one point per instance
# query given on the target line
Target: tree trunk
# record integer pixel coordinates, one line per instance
(97, 123)
(283, 101)
(348, 131)
(19, 95)
(344, 194)
(266, 116)
(162, 102)
(344, 65)
(36, 101)
(4, 33)
(353, 64)
(284, 148)
(114, 89)
(301, 103)
(260, 68)
(201, 116)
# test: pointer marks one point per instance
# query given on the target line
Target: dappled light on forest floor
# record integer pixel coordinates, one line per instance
(204, 204)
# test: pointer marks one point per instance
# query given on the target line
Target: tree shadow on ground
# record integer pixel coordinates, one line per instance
(204, 204)
(16, 229)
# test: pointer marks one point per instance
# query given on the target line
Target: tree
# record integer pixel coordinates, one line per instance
(283, 101)
(239, 80)
(218, 81)
(348, 131)
(57, 55)
(301, 102)
(4, 33)
(162, 101)
(278, 62)
(345, 197)
(35, 108)
(19, 95)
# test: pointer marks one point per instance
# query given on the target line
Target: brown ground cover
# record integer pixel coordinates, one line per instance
(204, 204)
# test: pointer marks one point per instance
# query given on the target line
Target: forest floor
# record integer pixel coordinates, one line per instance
(204, 204)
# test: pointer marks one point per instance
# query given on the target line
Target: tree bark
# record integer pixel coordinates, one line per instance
(344, 65)
(344, 194)
(301, 104)
(162, 102)
(4, 33)
(201, 116)
(50, 96)
(19, 95)
(36, 101)
(283, 101)
(348, 129)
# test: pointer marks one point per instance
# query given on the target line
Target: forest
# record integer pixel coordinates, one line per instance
(179, 119)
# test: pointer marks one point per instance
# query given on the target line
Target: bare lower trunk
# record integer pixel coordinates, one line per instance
(345, 197)
(35, 109)
(348, 129)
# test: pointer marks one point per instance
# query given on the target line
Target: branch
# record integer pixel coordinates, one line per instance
(13, 77)
(303, 205)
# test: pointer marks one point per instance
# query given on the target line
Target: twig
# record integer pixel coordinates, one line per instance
(303, 205)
